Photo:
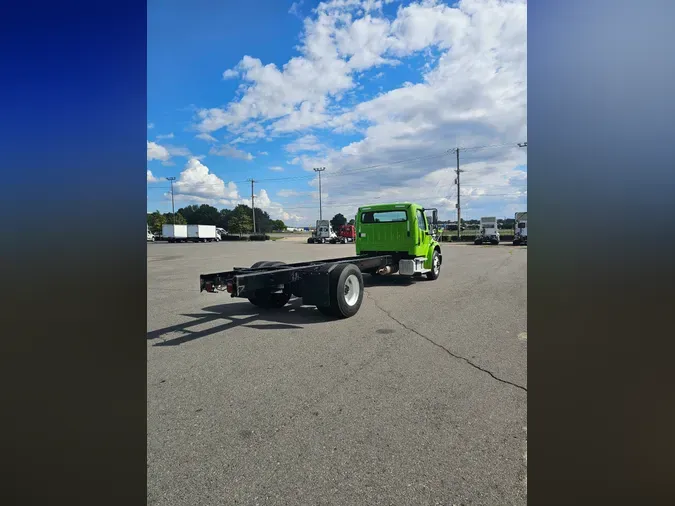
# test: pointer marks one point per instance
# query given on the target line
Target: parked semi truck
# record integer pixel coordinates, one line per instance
(488, 231)
(520, 236)
(323, 233)
(345, 234)
(390, 238)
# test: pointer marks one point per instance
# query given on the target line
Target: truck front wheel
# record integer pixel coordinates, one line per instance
(435, 266)
(346, 291)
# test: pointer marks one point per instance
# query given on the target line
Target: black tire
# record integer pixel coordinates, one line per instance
(494, 243)
(435, 267)
(516, 243)
(346, 291)
(265, 299)
(478, 243)
(310, 241)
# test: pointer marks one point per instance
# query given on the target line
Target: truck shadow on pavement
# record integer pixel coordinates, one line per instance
(238, 314)
(389, 280)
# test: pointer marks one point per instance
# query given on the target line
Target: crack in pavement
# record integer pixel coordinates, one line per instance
(459, 357)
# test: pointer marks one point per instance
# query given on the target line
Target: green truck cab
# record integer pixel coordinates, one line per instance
(403, 231)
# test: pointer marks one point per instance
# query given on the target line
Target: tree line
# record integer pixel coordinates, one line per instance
(338, 220)
(237, 221)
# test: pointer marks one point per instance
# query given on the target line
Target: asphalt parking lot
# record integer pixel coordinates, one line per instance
(421, 398)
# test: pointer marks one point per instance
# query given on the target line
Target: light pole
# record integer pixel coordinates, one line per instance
(253, 203)
(173, 210)
(320, 170)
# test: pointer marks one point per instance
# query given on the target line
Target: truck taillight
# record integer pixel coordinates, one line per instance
(230, 288)
(208, 286)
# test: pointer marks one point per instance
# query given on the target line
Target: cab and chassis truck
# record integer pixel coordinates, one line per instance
(390, 238)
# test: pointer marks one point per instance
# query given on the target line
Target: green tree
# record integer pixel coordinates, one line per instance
(337, 221)
(155, 222)
(223, 218)
(278, 225)
(351, 222)
(206, 215)
(189, 213)
(180, 219)
(240, 224)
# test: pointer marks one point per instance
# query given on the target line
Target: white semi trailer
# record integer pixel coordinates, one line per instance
(520, 236)
(488, 231)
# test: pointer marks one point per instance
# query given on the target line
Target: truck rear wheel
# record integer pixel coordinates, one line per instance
(346, 291)
(266, 299)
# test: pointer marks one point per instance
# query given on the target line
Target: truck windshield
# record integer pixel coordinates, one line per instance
(384, 216)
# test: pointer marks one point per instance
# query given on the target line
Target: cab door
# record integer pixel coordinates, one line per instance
(423, 235)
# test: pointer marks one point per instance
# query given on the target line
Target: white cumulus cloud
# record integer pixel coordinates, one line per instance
(305, 143)
(471, 91)
(230, 152)
(230, 74)
(206, 137)
(157, 152)
(196, 184)
(152, 178)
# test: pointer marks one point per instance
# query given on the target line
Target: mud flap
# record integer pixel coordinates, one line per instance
(315, 287)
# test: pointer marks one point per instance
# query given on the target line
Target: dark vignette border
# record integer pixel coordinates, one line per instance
(601, 403)
(73, 121)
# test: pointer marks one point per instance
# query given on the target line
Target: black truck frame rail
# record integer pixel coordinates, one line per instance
(245, 281)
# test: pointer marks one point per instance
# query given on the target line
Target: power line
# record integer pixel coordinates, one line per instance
(387, 164)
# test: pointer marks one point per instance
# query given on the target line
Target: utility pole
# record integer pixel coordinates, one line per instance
(173, 211)
(459, 209)
(320, 170)
(253, 203)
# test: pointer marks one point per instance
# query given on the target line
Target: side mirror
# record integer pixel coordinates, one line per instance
(435, 216)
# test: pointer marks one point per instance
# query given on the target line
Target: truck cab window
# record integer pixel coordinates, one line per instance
(421, 223)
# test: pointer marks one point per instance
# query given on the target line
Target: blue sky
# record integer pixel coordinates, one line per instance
(376, 91)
